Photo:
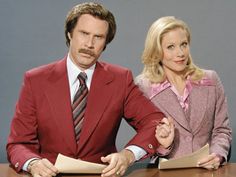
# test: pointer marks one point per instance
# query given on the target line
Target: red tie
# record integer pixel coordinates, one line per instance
(79, 104)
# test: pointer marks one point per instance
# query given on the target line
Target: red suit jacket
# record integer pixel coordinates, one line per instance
(42, 125)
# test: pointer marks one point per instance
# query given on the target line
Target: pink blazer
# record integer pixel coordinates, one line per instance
(208, 120)
(42, 125)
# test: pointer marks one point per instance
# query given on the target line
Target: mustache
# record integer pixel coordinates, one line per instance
(86, 51)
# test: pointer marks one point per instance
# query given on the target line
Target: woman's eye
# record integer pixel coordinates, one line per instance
(184, 44)
(170, 47)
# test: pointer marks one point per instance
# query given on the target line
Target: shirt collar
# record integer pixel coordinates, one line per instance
(157, 88)
(73, 72)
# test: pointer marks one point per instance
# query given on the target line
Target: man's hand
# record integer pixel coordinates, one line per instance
(165, 132)
(211, 162)
(118, 163)
(42, 168)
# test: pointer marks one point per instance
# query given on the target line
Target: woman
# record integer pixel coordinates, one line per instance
(192, 96)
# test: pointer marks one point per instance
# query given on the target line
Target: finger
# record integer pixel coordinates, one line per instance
(122, 170)
(207, 160)
(112, 164)
(171, 120)
(112, 172)
(36, 175)
(172, 124)
(163, 133)
(106, 159)
(216, 166)
(117, 170)
(45, 174)
(39, 168)
(167, 128)
(211, 166)
(163, 126)
(211, 162)
(117, 167)
(165, 121)
(50, 166)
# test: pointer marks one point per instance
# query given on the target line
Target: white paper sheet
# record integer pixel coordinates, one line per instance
(69, 165)
(187, 161)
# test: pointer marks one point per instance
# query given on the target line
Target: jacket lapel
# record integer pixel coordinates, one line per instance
(98, 99)
(169, 105)
(198, 107)
(58, 95)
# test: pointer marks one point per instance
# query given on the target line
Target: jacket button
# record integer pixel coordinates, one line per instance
(150, 146)
(17, 165)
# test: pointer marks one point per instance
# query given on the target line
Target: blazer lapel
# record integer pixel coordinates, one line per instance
(198, 107)
(98, 99)
(58, 94)
(168, 104)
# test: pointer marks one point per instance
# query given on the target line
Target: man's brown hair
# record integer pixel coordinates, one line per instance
(94, 9)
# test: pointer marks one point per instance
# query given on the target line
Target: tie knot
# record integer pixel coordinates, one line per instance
(82, 77)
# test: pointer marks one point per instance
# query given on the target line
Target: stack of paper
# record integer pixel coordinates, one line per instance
(187, 161)
(69, 165)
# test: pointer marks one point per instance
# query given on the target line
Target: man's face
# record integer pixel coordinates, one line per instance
(87, 40)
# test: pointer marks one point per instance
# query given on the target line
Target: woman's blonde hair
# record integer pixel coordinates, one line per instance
(153, 52)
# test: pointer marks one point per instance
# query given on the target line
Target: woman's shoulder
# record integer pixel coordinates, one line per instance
(210, 74)
(143, 83)
(150, 89)
(210, 77)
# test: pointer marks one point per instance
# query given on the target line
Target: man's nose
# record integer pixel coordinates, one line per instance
(90, 42)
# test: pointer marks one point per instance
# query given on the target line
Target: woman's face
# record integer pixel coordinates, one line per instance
(175, 48)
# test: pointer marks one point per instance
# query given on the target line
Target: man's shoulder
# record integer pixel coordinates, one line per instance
(43, 69)
(113, 67)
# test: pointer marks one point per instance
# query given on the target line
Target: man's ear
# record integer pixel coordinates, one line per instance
(69, 36)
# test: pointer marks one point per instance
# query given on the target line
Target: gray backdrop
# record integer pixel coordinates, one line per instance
(32, 33)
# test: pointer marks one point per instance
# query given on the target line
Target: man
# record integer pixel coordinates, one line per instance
(74, 106)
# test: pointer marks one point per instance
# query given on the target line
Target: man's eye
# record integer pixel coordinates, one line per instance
(83, 33)
(98, 37)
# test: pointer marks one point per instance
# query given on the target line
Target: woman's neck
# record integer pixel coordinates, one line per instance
(177, 80)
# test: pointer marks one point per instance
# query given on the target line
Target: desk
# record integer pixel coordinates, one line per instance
(138, 170)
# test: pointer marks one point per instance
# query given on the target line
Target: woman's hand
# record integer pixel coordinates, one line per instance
(165, 132)
(210, 162)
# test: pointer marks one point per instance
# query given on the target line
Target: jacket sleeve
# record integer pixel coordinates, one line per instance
(22, 143)
(222, 133)
(143, 115)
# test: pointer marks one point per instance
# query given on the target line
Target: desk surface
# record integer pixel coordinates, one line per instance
(138, 170)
